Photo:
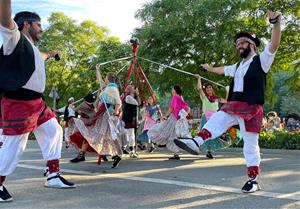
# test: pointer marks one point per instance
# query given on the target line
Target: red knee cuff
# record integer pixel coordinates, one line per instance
(2, 179)
(253, 172)
(53, 166)
(204, 134)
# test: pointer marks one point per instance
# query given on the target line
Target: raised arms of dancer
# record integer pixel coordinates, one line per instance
(199, 85)
(201, 92)
(5, 14)
(99, 79)
(275, 41)
(276, 31)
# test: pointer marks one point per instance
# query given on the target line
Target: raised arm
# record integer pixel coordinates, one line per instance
(199, 86)
(276, 31)
(217, 70)
(5, 14)
(99, 77)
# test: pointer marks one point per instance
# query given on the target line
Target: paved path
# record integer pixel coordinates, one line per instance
(152, 181)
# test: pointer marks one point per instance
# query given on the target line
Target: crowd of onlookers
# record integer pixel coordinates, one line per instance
(272, 122)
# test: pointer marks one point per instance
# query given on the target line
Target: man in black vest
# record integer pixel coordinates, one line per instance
(245, 100)
(129, 117)
(23, 110)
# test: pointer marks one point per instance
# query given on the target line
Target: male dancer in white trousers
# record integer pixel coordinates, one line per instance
(23, 109)
(245, 101)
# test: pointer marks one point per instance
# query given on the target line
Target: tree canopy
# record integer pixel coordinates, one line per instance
(82, 45)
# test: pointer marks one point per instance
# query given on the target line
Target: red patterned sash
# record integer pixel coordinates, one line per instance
(20, 116)
(252, 114)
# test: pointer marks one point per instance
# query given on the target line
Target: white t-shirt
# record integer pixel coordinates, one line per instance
(266, 59)
(10, 40)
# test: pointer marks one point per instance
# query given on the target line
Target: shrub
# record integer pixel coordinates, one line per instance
(275, 140)
(278, 140)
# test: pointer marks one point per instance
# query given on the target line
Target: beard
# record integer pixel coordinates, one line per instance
(33, 34)
(245, 52)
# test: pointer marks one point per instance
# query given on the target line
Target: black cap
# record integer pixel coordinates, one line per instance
(249, 35)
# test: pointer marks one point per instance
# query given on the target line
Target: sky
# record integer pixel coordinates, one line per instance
(116, 15)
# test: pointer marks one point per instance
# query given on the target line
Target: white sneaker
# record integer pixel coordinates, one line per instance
(55, 180)
(189, 144)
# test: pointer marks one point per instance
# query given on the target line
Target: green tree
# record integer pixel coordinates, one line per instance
(82, 46)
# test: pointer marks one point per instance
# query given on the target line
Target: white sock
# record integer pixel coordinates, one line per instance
(1, 188)
(199, 140)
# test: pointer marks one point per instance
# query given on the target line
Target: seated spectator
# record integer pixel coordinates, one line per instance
(273, 122)
(293, 122)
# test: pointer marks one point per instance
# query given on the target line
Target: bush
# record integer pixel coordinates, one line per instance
(278, 140)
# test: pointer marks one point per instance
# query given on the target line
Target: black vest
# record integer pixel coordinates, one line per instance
(129, 112)
(254, 85)
(0, 105)
(16, 68)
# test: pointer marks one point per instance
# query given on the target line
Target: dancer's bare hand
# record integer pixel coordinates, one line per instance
(52, 54)
(206, 67)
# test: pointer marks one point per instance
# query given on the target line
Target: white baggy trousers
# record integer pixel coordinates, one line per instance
(221, 121)
(49, 137)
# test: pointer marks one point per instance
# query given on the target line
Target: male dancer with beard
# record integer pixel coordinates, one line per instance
(245, 100)
(22, 83)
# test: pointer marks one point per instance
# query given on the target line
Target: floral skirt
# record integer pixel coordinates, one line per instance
(164, 134)
(103, 136)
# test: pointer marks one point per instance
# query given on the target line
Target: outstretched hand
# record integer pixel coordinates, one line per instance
(206, 66)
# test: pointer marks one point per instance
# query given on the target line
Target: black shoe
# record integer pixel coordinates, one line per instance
(151, 149)
(116, 162)
(141, 147)
(104, 158)
(78, 159)
(250, 186)
(175, 157)
(209, 155)
(5, 196)
(125, 152)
